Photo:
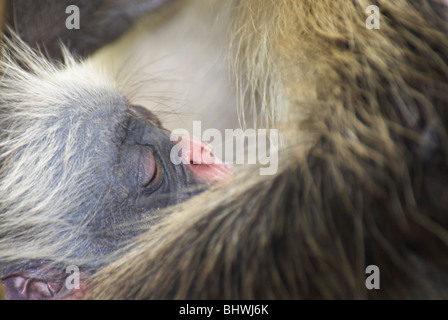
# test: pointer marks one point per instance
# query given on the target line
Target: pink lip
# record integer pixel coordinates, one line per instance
(212, 173)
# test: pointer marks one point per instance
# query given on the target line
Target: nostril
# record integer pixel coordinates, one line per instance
(199, 157)
(197, 151)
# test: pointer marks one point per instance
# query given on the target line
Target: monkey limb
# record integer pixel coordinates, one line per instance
(103, 21)
(363, 169)
(363, 165)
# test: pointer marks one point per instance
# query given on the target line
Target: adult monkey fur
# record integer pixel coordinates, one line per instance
(362, 177)
(362, 172)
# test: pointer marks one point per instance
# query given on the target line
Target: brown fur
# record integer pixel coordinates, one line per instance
(363, 169)
(363, 164)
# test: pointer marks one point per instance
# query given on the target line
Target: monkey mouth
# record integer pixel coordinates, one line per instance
(42, 284)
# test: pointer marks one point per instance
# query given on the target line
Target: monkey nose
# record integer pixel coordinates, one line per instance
(198, 156)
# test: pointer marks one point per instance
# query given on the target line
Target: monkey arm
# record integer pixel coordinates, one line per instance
(101, 22)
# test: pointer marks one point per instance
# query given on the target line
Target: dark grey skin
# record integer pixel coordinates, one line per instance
(131, 178)
(130, 191)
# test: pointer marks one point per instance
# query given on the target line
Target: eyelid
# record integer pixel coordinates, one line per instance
(147, 167)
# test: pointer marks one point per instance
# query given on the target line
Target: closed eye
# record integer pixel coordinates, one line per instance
(147, 168)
